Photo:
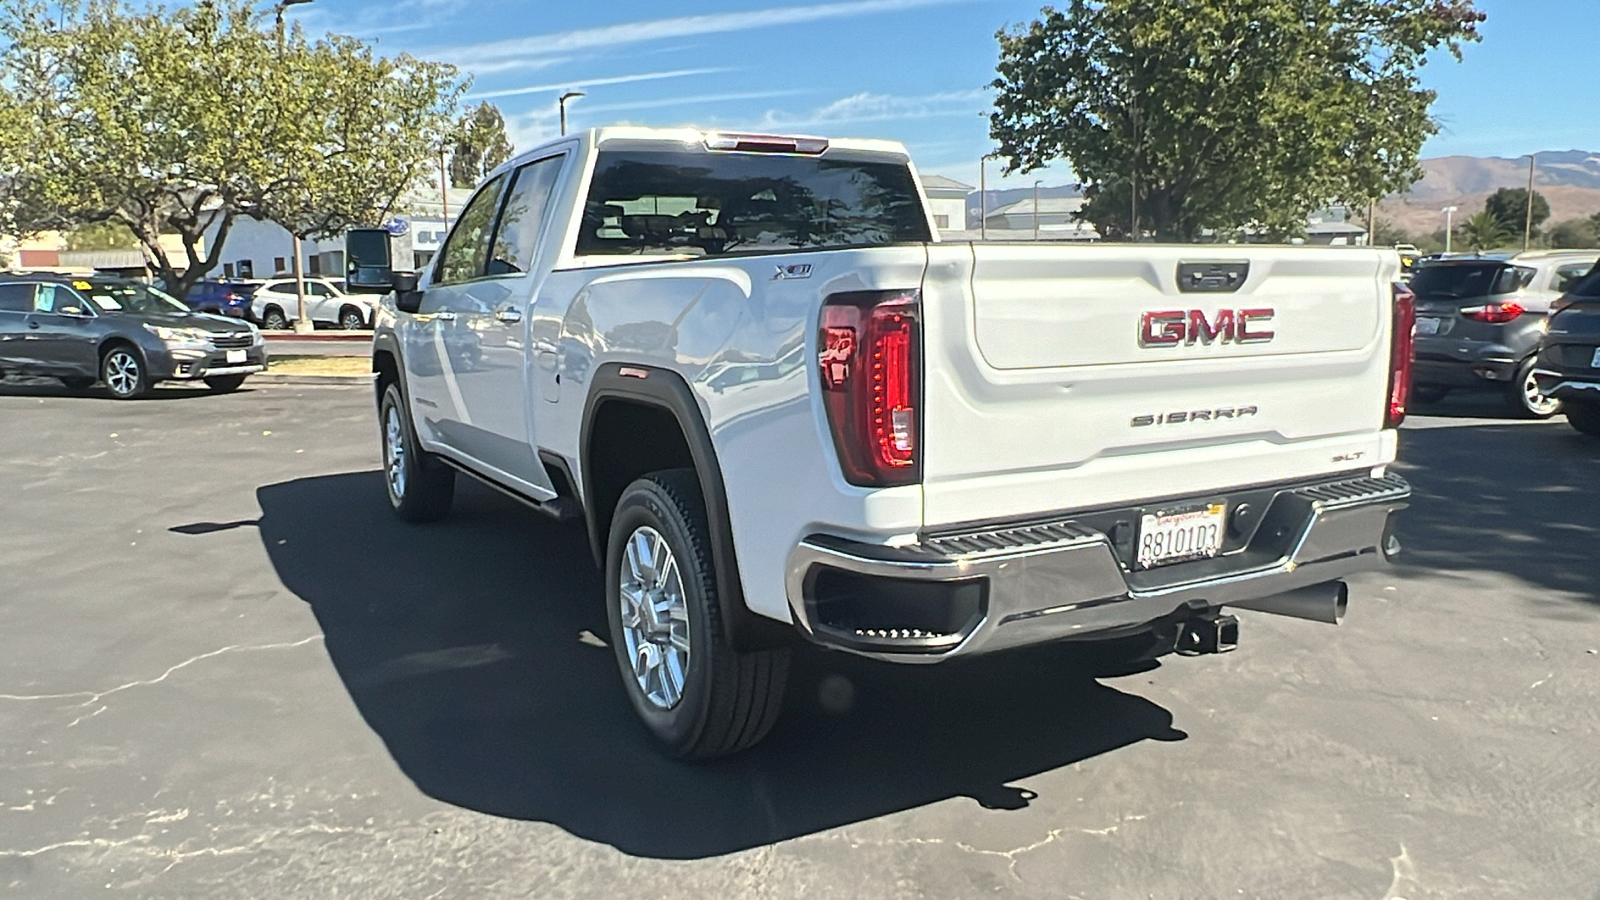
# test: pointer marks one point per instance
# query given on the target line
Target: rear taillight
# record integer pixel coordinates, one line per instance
(870, 358)
(1402, 350)
(1494, 313)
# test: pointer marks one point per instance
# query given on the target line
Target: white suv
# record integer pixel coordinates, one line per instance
(276, 306)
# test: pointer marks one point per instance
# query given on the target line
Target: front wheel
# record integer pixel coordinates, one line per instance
(123, 373)
(1525, 397)
(696, 695)
(1584, 417)
(421, 488)
(225, 384)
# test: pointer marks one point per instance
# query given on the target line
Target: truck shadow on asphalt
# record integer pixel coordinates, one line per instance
(1523, 499)
(470, 649)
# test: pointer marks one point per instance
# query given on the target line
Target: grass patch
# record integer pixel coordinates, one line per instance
(320, 365)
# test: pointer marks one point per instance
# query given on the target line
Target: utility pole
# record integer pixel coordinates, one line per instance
(302, 322)
(569, 95)
(983, 194)
(1036, 210)
(1449, 218)
(1527, 229)
(444, 187)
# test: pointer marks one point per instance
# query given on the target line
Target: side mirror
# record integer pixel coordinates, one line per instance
(407, 298)
(73, 311)
(368, 262)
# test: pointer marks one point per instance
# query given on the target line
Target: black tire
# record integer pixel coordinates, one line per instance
(225, 384)
(1584, 416)
(420, 487)
(728, 700)
(1521, 393)
(123, 372)
(273, 319)
(78, 384)
(1429, 393)
(351, 319)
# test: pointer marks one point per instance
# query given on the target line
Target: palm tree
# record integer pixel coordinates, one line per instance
(1483, 232)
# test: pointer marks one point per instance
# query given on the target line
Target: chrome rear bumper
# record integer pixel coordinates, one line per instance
(1061, 580)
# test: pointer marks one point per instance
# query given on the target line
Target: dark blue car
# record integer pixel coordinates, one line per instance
(223, 298)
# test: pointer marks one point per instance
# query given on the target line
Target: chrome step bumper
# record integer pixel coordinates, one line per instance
(1059, 580)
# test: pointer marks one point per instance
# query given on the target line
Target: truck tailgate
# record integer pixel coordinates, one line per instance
(1067, 377)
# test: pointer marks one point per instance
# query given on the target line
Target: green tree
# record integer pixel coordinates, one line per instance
(103, 236)
(181, 121)
(1575, 234)
(1482, 232)
(1224, 114)
(480, 145)
(1386, 234)
(1510, 207)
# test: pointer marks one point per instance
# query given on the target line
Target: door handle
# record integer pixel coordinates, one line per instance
(445, 316)
(509, 316)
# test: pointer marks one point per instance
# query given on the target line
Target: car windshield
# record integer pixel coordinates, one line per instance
(1457, 281)
(129, 297)
(704, 203)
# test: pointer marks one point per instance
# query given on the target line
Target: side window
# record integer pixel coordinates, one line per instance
(316, 289)
(463, 255)
(517, 237)
(16, 297)
(44, 299)
(1568, 276)
(54, 298)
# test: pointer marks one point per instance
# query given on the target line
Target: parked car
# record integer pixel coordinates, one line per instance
(276, 307)
(225, 297)
(1480, 320)
(125, 334)
(781, 426)
(1569, 357)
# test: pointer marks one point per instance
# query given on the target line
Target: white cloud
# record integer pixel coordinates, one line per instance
(868, 107)
(610, 36)
(591, 82)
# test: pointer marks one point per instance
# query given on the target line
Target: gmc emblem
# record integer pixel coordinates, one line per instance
(1186, 328)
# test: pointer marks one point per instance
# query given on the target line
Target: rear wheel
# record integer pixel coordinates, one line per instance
(225, 384)
(420, 487)
(1525, 397)
(123, 373)
(351, 319)
(1584, 416)
(699, 697)
(273, 319)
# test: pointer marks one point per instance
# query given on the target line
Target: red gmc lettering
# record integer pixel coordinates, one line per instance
(1174, 328)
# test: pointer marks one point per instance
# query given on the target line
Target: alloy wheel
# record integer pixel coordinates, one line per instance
(655, 617)
(1535, 400)
(122, 373)
(394, 453)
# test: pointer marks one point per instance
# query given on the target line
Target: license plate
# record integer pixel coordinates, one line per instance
(1595, 363)
(1428, 326)
(236, 356)
(1166, 538)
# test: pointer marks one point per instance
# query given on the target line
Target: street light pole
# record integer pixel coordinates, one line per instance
(302, 322)
(1527, 229)
(1036, 210)
(569, 95)
(1449, 218)
(983, 195)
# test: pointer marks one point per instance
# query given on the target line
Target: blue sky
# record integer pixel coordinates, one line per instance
(909, 70)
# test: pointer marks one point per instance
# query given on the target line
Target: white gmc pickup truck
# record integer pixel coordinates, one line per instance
(786, 412)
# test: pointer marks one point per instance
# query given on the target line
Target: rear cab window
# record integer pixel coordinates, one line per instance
(1469, 281)
(650, 198)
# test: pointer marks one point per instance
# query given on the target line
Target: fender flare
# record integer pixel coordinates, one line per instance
(665, 389)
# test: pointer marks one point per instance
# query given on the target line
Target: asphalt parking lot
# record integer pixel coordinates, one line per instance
(226, 671)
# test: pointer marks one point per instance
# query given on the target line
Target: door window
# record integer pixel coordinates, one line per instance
(1568, 276)
(516, 239)
(463, 256)
(16, 297)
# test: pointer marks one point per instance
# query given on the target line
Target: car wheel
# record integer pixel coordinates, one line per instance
(1584, 417)
(273, 319)
(123, 373)
(225, 384)
(696, 695)
(351, 319)
(421, 488)
(1525, 397)
(78, 384)
(1429, 393)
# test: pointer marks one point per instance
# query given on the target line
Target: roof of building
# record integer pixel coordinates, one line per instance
(941, 183)
(1047, 206)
